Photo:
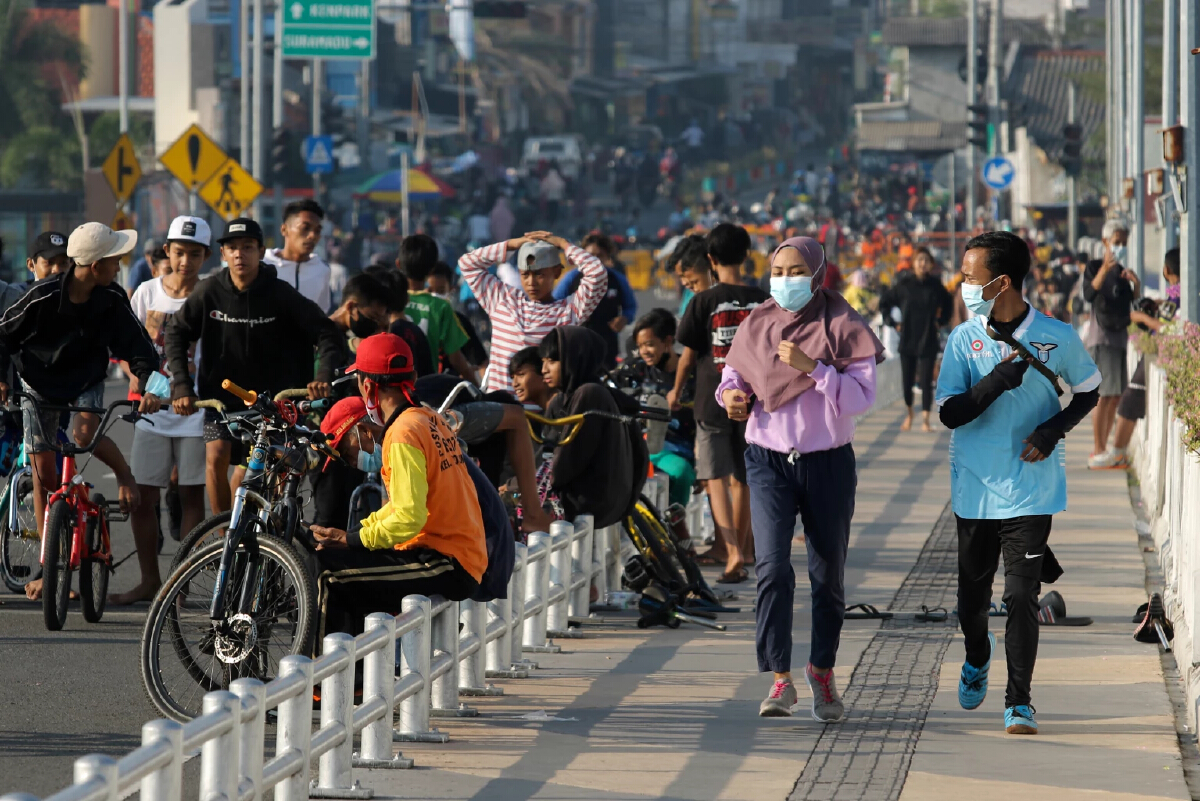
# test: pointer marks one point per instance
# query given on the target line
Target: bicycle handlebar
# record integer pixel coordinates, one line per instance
(71, 448)
(291, 394)
(248, 396)
(576, 421)
(211, 404)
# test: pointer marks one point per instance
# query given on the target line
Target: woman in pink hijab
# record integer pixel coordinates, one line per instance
(801, 367)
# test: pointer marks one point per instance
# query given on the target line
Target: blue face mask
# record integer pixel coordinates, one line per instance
(972, 295)
(371, 462)
(792, 292)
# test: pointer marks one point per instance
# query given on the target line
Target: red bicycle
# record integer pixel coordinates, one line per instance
(76, 532)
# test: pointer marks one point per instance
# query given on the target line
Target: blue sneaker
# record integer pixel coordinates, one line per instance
(1019, 719)
(973, 682)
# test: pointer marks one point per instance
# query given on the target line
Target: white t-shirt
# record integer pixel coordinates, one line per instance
(313, 280)
(154, 308)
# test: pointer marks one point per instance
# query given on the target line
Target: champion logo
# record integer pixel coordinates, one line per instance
(977, 345)
(222, 317)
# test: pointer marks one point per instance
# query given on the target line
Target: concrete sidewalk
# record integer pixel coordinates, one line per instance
(673, 713)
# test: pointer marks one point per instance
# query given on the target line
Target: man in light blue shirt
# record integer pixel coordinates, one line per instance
(999, 386)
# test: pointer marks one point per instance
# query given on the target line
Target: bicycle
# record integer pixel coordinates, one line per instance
(76, 533)
(234, 608)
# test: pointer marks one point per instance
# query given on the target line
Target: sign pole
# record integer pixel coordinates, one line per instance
(972, 97)
(277, 101)
(1072, 199)
(404, 193)
(244, 56)
(123, 63)
(256, 113)
(318, 78)
(952, 223)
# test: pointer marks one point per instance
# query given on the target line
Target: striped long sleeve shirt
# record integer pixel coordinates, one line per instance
(518, 321)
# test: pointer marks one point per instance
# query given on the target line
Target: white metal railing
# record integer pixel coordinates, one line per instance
(438, 664)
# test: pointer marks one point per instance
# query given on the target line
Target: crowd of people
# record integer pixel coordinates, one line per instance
(764, 378)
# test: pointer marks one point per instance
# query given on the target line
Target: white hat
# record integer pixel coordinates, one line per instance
(93, 241)
(190, 229)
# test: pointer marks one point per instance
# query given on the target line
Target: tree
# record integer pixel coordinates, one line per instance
(35, 133)
(106, 129)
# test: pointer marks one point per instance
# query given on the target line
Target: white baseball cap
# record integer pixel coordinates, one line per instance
(190, 229)
(93, 241)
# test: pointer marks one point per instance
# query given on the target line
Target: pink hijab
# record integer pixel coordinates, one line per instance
(828, 330)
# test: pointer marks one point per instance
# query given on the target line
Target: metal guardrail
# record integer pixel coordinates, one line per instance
(438, 664)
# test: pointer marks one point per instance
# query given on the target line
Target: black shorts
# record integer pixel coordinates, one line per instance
(1132, 405)
(216, 431)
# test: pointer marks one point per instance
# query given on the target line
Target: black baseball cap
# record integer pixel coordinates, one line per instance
(240, 227)
(49, 244)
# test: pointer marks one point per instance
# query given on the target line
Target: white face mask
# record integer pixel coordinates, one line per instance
(972, 295)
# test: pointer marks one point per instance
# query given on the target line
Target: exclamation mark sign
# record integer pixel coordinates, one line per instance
(193, 147)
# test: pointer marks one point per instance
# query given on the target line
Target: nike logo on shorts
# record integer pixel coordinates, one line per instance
(1033, 555)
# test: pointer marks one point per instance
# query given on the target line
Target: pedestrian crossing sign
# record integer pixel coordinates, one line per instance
(318, 154)
(230, 190)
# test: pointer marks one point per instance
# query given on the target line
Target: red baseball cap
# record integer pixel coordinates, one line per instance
(343, 416)
(383, 354)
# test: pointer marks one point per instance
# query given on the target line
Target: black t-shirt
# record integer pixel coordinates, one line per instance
(707, 327)
(416, 340)
(332, 489)
(607, 310)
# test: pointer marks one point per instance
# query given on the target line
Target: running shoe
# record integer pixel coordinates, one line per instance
(780, 701)
(1019, 719)
(1108, 461)
(973, 681)
(827, 704)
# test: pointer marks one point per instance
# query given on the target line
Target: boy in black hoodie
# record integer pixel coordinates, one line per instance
(253, 329)
(602, 471)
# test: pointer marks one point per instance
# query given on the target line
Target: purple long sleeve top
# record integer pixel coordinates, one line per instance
(818, 419)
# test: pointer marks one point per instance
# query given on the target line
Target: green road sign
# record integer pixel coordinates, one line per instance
(328, 29)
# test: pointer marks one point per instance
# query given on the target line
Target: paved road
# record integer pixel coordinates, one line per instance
(73, 692)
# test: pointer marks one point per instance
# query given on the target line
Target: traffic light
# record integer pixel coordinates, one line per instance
(977, 134)
(281, 142)
(1072, 157)
(499, 9)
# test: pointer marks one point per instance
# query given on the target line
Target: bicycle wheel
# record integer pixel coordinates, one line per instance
(654, 558)
(663, 550)
(56, 569)
(20, 547)
(93, 573)
(206, 532)
(183, 655)
(684, 558)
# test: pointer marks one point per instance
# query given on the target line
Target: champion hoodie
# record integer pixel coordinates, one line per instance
(260, 338)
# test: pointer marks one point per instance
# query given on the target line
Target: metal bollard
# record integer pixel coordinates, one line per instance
(335, 779)
(165, 784)
(559, 583)
(472, 669)
(220, 755)
(444, 690)
(517, 594)
(294, 729)
(599, 567)
(251, 693)
(612, 557)
(537, 592)
(414, 659)
(98, 766)
(379, 681)
(581, 566)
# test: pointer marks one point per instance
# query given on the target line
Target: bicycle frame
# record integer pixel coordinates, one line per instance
(73, 489)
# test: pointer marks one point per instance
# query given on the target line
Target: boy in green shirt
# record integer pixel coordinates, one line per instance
(434, 315)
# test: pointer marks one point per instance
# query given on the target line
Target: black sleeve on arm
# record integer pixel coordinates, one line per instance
(962, 409)
(182, 330)
(131, 342)
(1089, 274)
(329, 341)
(1047, 435)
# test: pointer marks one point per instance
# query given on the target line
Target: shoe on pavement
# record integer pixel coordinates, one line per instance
(779, 701)
(1108, 461)
(827, 704)
(973, 681)
(1019, 720)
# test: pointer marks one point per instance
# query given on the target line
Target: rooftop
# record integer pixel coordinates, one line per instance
(952, 32)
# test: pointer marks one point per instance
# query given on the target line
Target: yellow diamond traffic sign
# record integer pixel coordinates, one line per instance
(121, 169)
(230, 190)
(193, 158)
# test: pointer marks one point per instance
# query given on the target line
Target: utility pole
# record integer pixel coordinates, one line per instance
(1072, 198)
(1189, 113)
(318, 78)
(277, 103)
(1109, 111)
(404, 211)
(1170, 107)
(123, 66)
(995, 57)
(1118, 100)
(244, 57)
(951, 222)
(256, 141)
(972, 98)
(1137, 141)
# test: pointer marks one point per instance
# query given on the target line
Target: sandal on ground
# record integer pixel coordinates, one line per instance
(736, 577)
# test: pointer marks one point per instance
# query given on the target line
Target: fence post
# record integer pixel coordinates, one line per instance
(335, 779)
(444, 692)
(518, 596)
(612, 560)
(379, 681)
(581, 566)
(472, 669)
(599, 568)
(537, 591)
(165, 784)
(99, 766)
(294, 731)
(414, 658)
(219, 756)
(561, 536)
(252, 693)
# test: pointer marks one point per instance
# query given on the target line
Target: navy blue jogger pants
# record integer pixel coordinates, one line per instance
(819, 487)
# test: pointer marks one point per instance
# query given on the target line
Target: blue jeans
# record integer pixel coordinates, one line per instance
(819, 487)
